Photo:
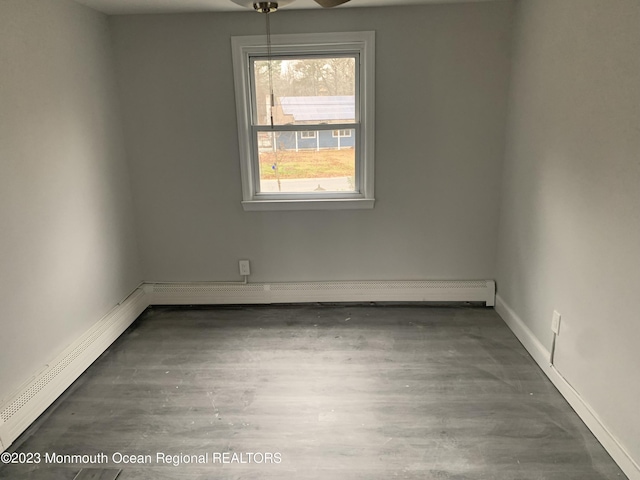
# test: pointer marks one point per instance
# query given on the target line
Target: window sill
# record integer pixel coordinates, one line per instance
(328, 204)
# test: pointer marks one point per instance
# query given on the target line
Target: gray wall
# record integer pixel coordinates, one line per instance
(68, 252)
(569, 229)
(442, 74)
(570, 224)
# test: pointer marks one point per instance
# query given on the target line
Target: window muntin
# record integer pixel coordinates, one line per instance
(314, 135)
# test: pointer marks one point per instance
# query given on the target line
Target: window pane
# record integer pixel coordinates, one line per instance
(296, 162)
(306, 91)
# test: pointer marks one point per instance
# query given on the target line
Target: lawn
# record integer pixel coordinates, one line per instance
(308, 164)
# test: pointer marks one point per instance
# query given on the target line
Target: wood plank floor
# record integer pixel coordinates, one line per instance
(331, 392)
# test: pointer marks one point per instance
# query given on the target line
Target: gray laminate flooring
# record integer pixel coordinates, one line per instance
(317, 392)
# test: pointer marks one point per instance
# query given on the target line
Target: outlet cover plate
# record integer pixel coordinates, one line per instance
(244, 267)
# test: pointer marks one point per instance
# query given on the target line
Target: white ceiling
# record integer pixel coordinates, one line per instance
(125, 7)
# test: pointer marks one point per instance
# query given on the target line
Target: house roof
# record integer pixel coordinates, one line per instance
(318, 109)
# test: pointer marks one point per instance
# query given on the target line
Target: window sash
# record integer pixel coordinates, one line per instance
(252, 58)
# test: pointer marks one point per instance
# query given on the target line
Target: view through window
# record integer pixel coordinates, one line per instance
(307, 141)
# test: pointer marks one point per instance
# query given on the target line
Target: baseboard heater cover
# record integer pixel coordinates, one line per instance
(304, 292)
(37, 395)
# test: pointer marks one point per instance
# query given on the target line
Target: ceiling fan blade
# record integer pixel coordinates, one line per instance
(330, 3)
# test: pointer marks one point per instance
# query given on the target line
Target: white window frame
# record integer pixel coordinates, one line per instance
(308, 135)
(344, 43)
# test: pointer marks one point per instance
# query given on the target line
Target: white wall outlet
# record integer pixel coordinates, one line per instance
(555, 323)
(244, 268)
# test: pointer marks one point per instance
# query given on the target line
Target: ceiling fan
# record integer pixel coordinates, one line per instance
(270, 7)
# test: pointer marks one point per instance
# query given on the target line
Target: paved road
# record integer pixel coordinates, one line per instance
(335, 184)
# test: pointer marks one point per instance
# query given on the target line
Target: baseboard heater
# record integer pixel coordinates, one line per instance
(305, 292)
(22, 409)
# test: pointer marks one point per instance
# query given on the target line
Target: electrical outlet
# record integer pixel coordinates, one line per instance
(244, 267)
(555, 323)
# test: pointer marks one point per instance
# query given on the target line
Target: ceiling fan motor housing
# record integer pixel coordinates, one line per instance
(265, 7)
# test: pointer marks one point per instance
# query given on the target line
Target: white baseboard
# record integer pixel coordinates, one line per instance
(305, 292)
(30, 402)
(541, 355)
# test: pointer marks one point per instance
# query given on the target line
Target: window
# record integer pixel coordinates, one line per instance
(310, 145)
(341, 133)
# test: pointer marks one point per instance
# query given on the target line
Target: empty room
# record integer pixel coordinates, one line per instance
(319, 239)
